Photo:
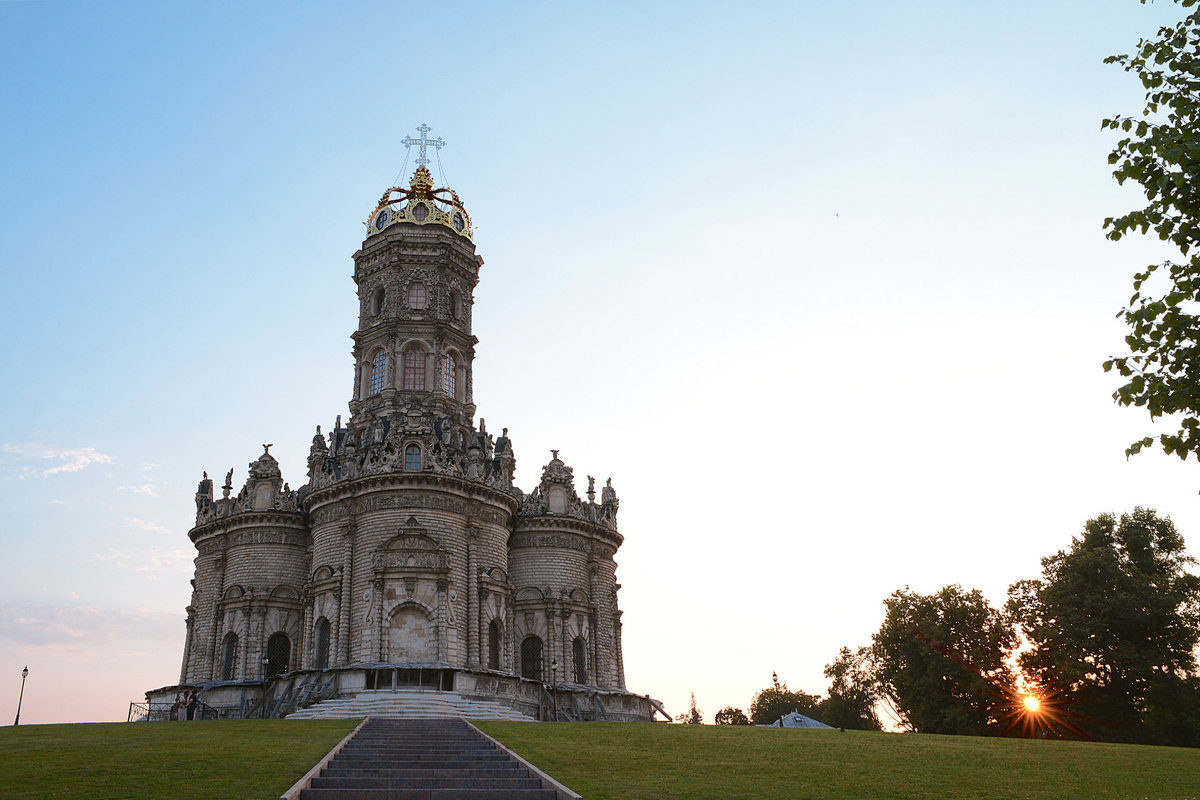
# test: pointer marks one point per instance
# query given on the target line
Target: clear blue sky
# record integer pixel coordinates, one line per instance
(821, 285)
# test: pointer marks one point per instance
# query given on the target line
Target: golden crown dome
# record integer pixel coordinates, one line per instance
(420, 204)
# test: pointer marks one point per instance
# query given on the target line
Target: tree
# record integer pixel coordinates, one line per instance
(1162, 153)
(692, 716)
(731, 716)
(852, 692)
(1113, 625)
(772, 703)
(939, 659)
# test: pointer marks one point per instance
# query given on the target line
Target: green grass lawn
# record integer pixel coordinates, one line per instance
(242, 759)
(259, 760)
(627, 761)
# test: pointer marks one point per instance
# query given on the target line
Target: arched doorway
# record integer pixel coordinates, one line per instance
(579, 653)
(229, 664)
(494, 644)
(321, 652)
(531, 658)
(412, 637)
(279, 654)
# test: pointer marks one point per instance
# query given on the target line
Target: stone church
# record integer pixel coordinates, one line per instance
(409, 560)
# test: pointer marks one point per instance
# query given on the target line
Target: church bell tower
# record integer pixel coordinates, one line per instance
(416, 274)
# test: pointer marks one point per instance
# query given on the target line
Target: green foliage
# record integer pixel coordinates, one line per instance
(1161, 152)
(939, 659)
(773, 702)
(1113, 625)
(852, 692)
(623, 761)
(163, 760)
(692, 716)
(731, 716)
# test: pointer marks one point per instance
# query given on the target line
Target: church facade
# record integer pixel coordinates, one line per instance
(408, 558)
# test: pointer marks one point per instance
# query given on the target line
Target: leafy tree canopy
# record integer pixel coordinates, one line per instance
(1113, 625)
(939, 660)
(852, 692)
(1160, 150)
(731, 716)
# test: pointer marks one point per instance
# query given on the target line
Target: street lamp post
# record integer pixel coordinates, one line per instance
(265, 662)
(24, 675)
(554, 677)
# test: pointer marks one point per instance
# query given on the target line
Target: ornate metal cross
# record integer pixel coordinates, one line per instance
(424, 142)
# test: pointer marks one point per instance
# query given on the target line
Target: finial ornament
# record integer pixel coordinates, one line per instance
(267, 448)
(554, 453)
(423, 142)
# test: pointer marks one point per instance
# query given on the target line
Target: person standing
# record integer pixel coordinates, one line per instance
(192, 704)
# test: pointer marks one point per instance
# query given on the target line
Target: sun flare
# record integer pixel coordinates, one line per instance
(1032, 703)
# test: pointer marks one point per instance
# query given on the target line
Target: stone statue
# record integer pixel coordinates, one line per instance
(591, 492)
(503, 444)
(228, 487)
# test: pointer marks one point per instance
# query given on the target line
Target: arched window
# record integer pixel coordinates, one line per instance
(449, 375)
(377, 302)
(378, 372)
(417, 297)
(412, 458)
(229, 664)
(580, 654)
(321, 656)
(531, 658)
(279, 654)
(414, 368)
(494, 644)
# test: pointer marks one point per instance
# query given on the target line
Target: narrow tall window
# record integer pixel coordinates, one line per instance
(449, 376)
(580, 654)
(229, 665)
(412, 458)
(531, 658)
(279, 654)
(414, 368)
(378, 372)
(417, 298)
(377, 303)
(494, 644)
(321, 656)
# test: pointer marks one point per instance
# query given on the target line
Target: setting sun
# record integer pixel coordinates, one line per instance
(1032, 703)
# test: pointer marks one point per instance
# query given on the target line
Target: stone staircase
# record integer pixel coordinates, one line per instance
(409, 705)
(430, 759)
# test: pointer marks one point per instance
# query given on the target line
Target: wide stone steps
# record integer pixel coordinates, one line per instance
(424, 759)
(410, 705)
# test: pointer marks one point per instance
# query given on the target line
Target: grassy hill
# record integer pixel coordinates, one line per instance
(243, 759)
(607, 761)
(258, 760)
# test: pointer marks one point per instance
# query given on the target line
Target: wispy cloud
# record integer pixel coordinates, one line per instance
(58, 502)
(61, 459)
(146, 489)
(145, 525)
(80, 631)
(153, 561)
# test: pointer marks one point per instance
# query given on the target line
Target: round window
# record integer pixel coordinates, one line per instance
(458, 222)
(381, 220)
(420, 212)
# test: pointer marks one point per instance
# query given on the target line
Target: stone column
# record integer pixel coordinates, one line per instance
(343, 634)
(474, 599)
(244, 645)
(214, 669)
(508, 649)
(442, 586)
(620, 655)
(377, 606)
(306, 635)
(187, 644)
(593, 629)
